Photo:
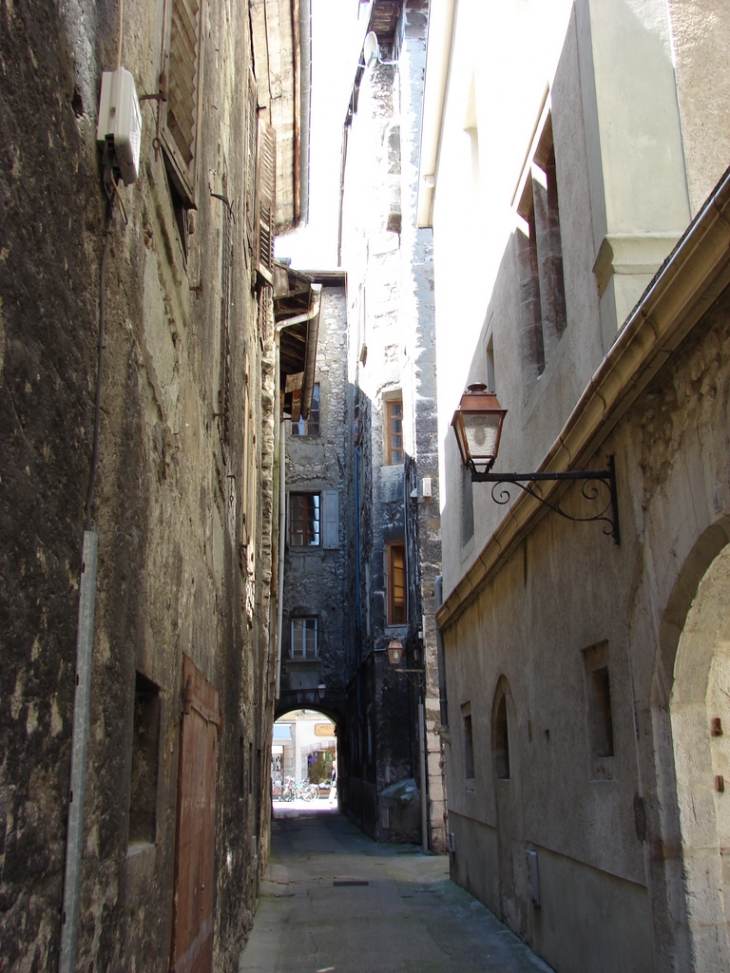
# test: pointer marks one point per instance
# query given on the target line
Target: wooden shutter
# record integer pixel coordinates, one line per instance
(179, 114)
(266, 201)
(251, 135)
(192, 936)
(331, 520)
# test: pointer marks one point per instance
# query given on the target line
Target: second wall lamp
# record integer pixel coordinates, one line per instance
(477, 424)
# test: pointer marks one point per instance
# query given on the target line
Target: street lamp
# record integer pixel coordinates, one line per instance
(395, 652)
(395, 657)
(478, 427)
(321, 690)
(477, 424)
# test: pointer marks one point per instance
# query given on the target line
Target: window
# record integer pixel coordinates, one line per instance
(601, 706)
(145, 755)
(600, 717)
(501, 740)
(540, 259)
(304, 520)
(304, 638)
(467, 506)
(178, 114)
(468, 741)
(491, 382)
(394, 432)
(310, 426)
(330, 520)
(397, 584)
(533, 347)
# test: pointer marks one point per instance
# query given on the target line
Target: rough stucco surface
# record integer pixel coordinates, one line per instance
(631, 81)
(567, 589)
(701, 39)
(174, 555)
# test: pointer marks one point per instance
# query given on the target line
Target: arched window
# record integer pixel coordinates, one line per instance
(501, 740)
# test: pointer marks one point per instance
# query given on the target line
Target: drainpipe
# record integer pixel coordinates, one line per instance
(438, 587)
(80, 739)
(424, 795)
(282, 529)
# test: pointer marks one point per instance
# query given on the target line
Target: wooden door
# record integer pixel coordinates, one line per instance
(192, 938)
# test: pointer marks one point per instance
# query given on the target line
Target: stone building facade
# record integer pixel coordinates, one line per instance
(317, 630)
(144, 666)
(586, 766)
(393, 718)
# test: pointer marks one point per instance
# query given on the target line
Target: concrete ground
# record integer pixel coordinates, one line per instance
(336, 902)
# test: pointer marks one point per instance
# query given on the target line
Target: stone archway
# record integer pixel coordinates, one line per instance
(699, 708)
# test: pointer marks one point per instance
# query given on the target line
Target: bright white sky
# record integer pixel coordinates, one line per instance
(337, 37)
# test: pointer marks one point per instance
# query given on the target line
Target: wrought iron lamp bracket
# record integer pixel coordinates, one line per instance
(420, 676)
(593, 480)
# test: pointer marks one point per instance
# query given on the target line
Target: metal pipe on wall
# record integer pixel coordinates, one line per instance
(282, 529)
(79, 744)
(424, 789)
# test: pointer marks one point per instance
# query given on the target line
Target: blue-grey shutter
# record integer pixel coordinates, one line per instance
(330, 520)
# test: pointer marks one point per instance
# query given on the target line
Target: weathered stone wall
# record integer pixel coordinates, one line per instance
(178, 529)
(392, 354)
(317, 580)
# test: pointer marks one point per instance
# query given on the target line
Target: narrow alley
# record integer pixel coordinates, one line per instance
(334, 901)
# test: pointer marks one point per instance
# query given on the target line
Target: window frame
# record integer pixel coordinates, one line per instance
(303, 426)
(181, 173)
(297, 518)
(501, 739)
(144, 761)
(540, 259)
(390, 449)
(601, 723)
(394, 617)
(468, 743)
(301, 653)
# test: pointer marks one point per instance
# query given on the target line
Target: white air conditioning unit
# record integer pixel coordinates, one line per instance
(120, 123)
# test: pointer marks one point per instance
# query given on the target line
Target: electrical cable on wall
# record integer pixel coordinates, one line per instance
(88, 525)
(121, 34)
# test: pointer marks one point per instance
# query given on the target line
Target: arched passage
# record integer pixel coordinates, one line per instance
(691, 689)
(700, 715)
(304, 750)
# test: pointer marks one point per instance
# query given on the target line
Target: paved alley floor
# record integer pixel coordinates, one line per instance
(336, 902)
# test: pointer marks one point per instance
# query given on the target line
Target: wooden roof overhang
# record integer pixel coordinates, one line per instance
(384, 19)
(296, 314)
(281, 34)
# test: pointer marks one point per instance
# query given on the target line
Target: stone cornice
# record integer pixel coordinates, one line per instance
(688, 283)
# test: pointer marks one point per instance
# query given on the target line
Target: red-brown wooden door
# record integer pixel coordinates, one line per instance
(192, 937)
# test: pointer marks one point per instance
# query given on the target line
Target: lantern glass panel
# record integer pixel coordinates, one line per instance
(482, 434)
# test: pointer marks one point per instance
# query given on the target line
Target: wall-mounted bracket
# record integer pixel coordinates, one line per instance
(594, 481)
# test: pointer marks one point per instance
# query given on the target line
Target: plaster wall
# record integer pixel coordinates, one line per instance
(700, 39)
(568, 588)
(621, 115)
(536, 412)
